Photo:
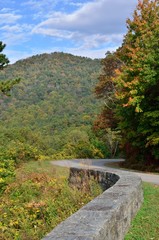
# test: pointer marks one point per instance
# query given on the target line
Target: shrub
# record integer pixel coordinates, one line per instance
(7, 172)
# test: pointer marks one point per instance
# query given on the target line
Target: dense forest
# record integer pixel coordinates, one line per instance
(50, 112)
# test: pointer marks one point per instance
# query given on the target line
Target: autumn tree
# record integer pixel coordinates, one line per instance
(136, 94)
(138, 84)
(105, 125)
(105, 90)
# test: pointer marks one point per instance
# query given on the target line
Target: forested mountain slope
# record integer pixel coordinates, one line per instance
(52, 108)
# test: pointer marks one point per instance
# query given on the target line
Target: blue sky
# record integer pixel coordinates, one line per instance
(81, 27)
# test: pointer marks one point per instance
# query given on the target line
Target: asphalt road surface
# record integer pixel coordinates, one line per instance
(105, 164)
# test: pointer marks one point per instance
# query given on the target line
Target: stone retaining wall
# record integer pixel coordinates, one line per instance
(108, 216)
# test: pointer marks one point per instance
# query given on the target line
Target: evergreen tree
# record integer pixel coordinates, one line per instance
(5, 86)
(3, 59)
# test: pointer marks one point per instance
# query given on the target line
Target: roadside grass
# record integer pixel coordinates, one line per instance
(145, 225)
(38, 200)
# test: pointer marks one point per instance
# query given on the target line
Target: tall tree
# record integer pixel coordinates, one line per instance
(137, 84)
(106, 89)
(105, 124)
(5, 86)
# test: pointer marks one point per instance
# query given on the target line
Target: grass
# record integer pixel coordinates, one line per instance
(145, 226)
(38, 200)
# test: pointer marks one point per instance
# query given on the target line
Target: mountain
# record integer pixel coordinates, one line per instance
(52, 107)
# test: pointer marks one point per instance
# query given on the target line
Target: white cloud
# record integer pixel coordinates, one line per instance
(43, 4)
(12, 31)
(14, 28)
(45, 8)
(42, 7)
(15, 34)
(5, 10)
(6, 18)
(91, 27)
(36, 4)
(12, 39)
(94, 23)
(92, 18)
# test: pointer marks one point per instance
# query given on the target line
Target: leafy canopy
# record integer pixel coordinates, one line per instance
(136, 84)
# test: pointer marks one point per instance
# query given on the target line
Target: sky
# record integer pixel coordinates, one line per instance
(87, 28)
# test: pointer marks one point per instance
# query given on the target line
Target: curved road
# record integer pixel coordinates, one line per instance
(105, 163)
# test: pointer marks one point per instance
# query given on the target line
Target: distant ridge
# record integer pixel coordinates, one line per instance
(55, 96)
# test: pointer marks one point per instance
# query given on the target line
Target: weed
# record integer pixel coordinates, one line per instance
(38, 200)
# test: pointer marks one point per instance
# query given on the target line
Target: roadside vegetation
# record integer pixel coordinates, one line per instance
(145, 225)
(38, 199)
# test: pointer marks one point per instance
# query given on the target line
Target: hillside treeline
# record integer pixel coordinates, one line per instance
(51, 111)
